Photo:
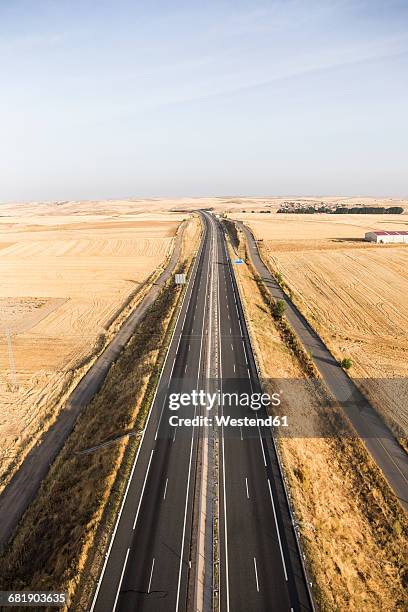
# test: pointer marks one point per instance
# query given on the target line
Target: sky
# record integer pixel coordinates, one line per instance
(119, 98)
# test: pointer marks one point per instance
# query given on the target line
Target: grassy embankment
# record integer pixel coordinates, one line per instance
(60, 541)
(353, 530)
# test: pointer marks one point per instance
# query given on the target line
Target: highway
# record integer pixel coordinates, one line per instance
(378, 439)
(149, 561)
(260, 567)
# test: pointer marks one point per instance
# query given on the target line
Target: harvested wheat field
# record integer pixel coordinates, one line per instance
(66, 272)
(354, 294)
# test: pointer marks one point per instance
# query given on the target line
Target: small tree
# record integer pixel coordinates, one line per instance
(346, 363)
(278, 309)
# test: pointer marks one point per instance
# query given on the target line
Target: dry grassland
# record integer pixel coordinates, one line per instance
(353, 293)
(353, 530)
(65, 275)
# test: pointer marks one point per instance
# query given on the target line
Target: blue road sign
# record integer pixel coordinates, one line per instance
(239, 261)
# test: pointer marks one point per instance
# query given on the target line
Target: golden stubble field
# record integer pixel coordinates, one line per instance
(65, 273)
(355, 294)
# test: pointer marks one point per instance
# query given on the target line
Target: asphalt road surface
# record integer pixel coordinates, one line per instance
(148, 562)
(379, 440)
(260, 565)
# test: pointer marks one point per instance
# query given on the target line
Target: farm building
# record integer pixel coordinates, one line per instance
(383, 237)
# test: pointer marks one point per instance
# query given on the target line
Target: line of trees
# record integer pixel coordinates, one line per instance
(343, 210)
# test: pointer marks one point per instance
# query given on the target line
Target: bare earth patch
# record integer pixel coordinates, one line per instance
(18, 315)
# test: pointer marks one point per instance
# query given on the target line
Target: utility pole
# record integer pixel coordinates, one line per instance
(12, 364)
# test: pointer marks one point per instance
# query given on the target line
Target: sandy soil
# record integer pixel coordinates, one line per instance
(355, 295)
(64, 275)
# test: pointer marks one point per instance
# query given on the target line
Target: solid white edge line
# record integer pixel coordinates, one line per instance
(161, 415)
(107, 555)
(223, 467)
(184, 521)
(246, 359)
(191, 455)
(120, 581)
(151, 576)
(143, 488)
(172, 368)
(277, 531)
(256, 575)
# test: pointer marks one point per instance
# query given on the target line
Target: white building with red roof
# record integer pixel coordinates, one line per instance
(383, 237)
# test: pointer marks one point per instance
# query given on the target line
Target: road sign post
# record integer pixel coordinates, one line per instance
(180, 279)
